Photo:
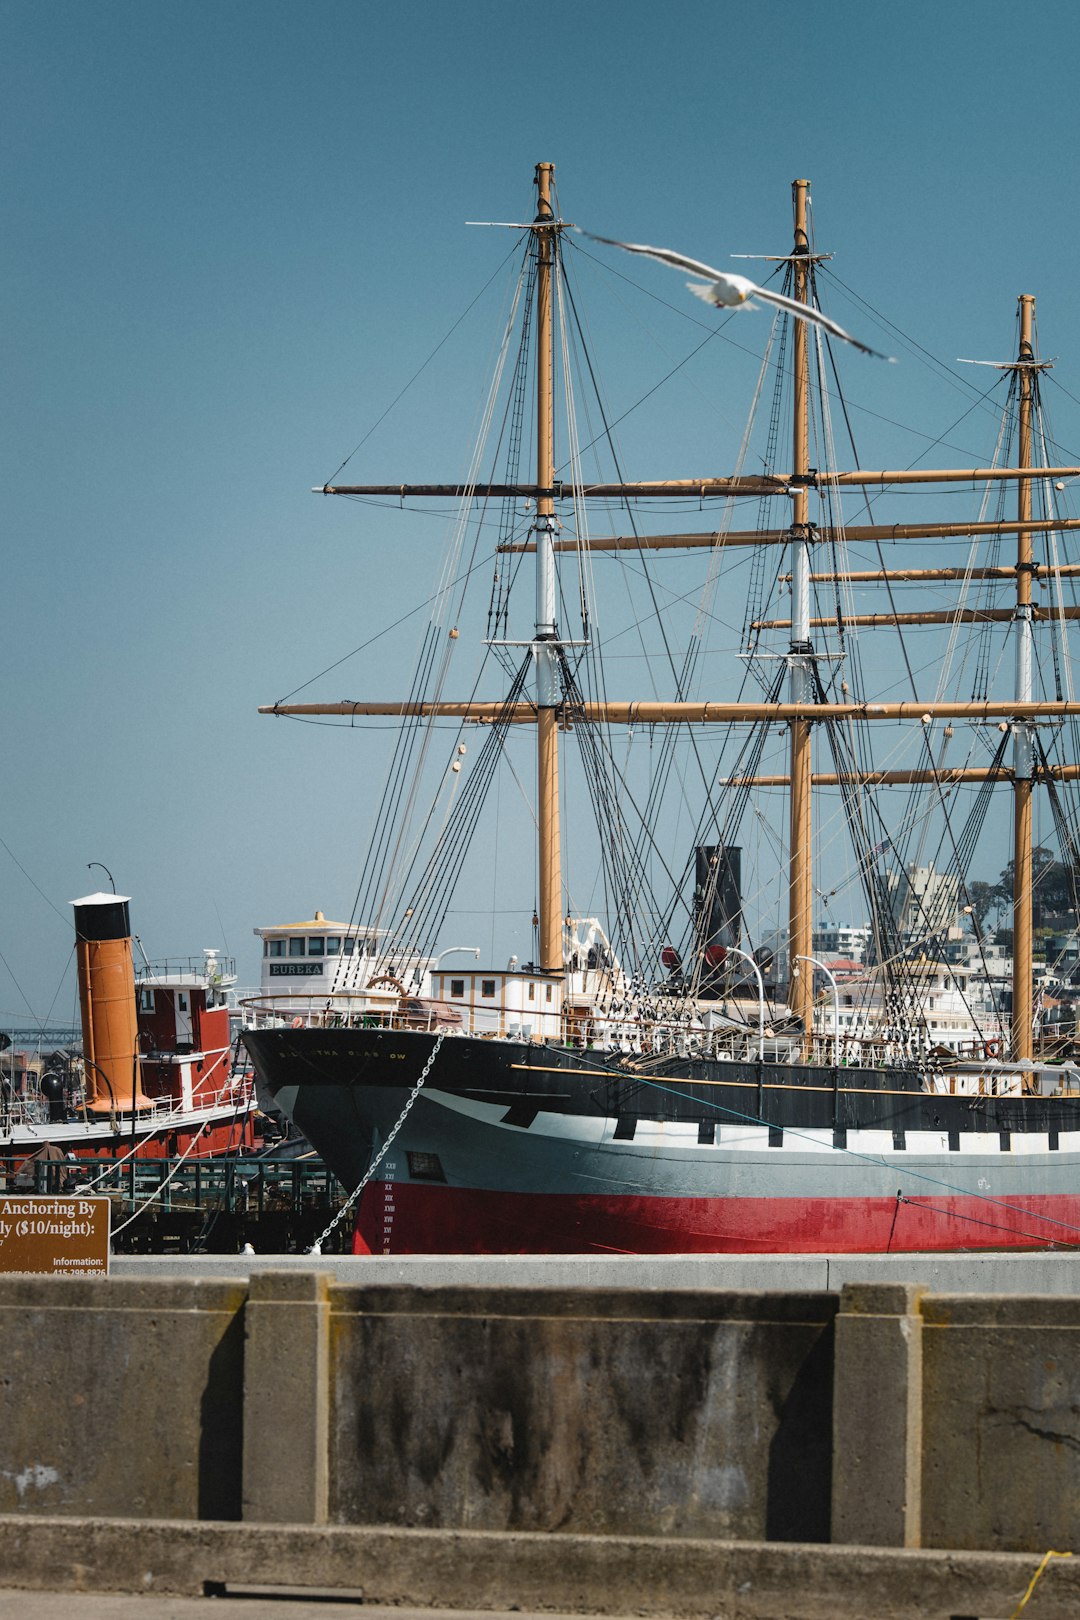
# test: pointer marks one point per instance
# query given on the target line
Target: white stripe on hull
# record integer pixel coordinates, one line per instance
(560, 1153)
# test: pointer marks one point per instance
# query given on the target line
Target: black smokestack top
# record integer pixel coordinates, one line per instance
(717, 912)
(100, 918)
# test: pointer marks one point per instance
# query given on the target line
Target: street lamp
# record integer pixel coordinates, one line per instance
(734, 949)
(418, 968)
(836, 1003)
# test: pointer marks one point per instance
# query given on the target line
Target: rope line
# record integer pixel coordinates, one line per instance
(1043, 1564)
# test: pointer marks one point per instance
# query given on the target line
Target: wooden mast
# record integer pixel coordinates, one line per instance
(548, 684)
(1023, 734)
(800, 711)
(781, 537)
(697, 489)
(935, 616)
(647, 712)
(800, 657)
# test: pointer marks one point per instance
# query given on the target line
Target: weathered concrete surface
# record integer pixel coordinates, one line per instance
(573, 1575)
(806, 1273)
(119, 1606)
(120, 1397)
(251, 1604)
(598, 1411)
(285, 1417)
(693, 1414)
(877, 1424)
(1001, 1422)
(601, 1411)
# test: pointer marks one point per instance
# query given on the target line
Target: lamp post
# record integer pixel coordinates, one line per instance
(735, 951)
(450, 950)
(836, 1003)
(105, 869)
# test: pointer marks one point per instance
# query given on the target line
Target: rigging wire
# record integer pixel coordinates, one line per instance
(423, 367)
(626, 858)
(432, 885)
(931, 360)
(374, 897)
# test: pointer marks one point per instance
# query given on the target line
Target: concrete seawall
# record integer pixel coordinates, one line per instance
(873, 1415)
(1010, 1272)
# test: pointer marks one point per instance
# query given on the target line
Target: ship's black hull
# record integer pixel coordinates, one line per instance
(672, 1152)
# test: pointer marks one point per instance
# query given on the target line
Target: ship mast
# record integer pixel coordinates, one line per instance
(1023, 734)
(545, 650)
(801, 711)
(800, 656)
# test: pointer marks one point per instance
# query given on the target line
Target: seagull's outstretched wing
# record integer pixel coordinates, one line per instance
(724, 281)
(664, 255)
(807, 312)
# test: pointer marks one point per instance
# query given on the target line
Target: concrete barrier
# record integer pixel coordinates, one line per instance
(878, 1415)
(603, 1412)
(121, 1398)
(509, 1573)
(877, 1430)
(1010, 1272)
(286, 1397)
(1001, 1422)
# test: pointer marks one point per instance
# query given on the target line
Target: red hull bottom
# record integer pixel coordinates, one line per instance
(397, 1218)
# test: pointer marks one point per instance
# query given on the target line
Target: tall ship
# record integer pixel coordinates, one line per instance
(668, 1064)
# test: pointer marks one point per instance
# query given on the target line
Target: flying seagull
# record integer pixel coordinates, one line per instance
(727, 291)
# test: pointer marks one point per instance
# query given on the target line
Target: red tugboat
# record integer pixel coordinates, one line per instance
(157, 1078)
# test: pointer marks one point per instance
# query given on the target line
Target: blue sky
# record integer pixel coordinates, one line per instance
(233, 230)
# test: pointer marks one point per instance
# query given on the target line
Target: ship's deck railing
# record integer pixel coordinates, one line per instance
(601, 1033)
(236, 1092)
(352, 1010)
(217, 970)
(420, 1015)
(605, 1034)
(23, 1111)
(336, 1009)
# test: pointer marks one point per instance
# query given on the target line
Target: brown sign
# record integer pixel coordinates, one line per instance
(61, 1237)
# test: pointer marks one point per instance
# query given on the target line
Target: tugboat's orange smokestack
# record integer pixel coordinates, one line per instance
(107, 1000)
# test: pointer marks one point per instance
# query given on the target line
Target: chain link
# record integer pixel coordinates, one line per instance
(316, 1247)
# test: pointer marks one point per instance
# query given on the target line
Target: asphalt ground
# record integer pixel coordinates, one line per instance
(97, 1606)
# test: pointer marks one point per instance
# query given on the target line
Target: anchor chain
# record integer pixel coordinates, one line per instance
(316, 1247)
